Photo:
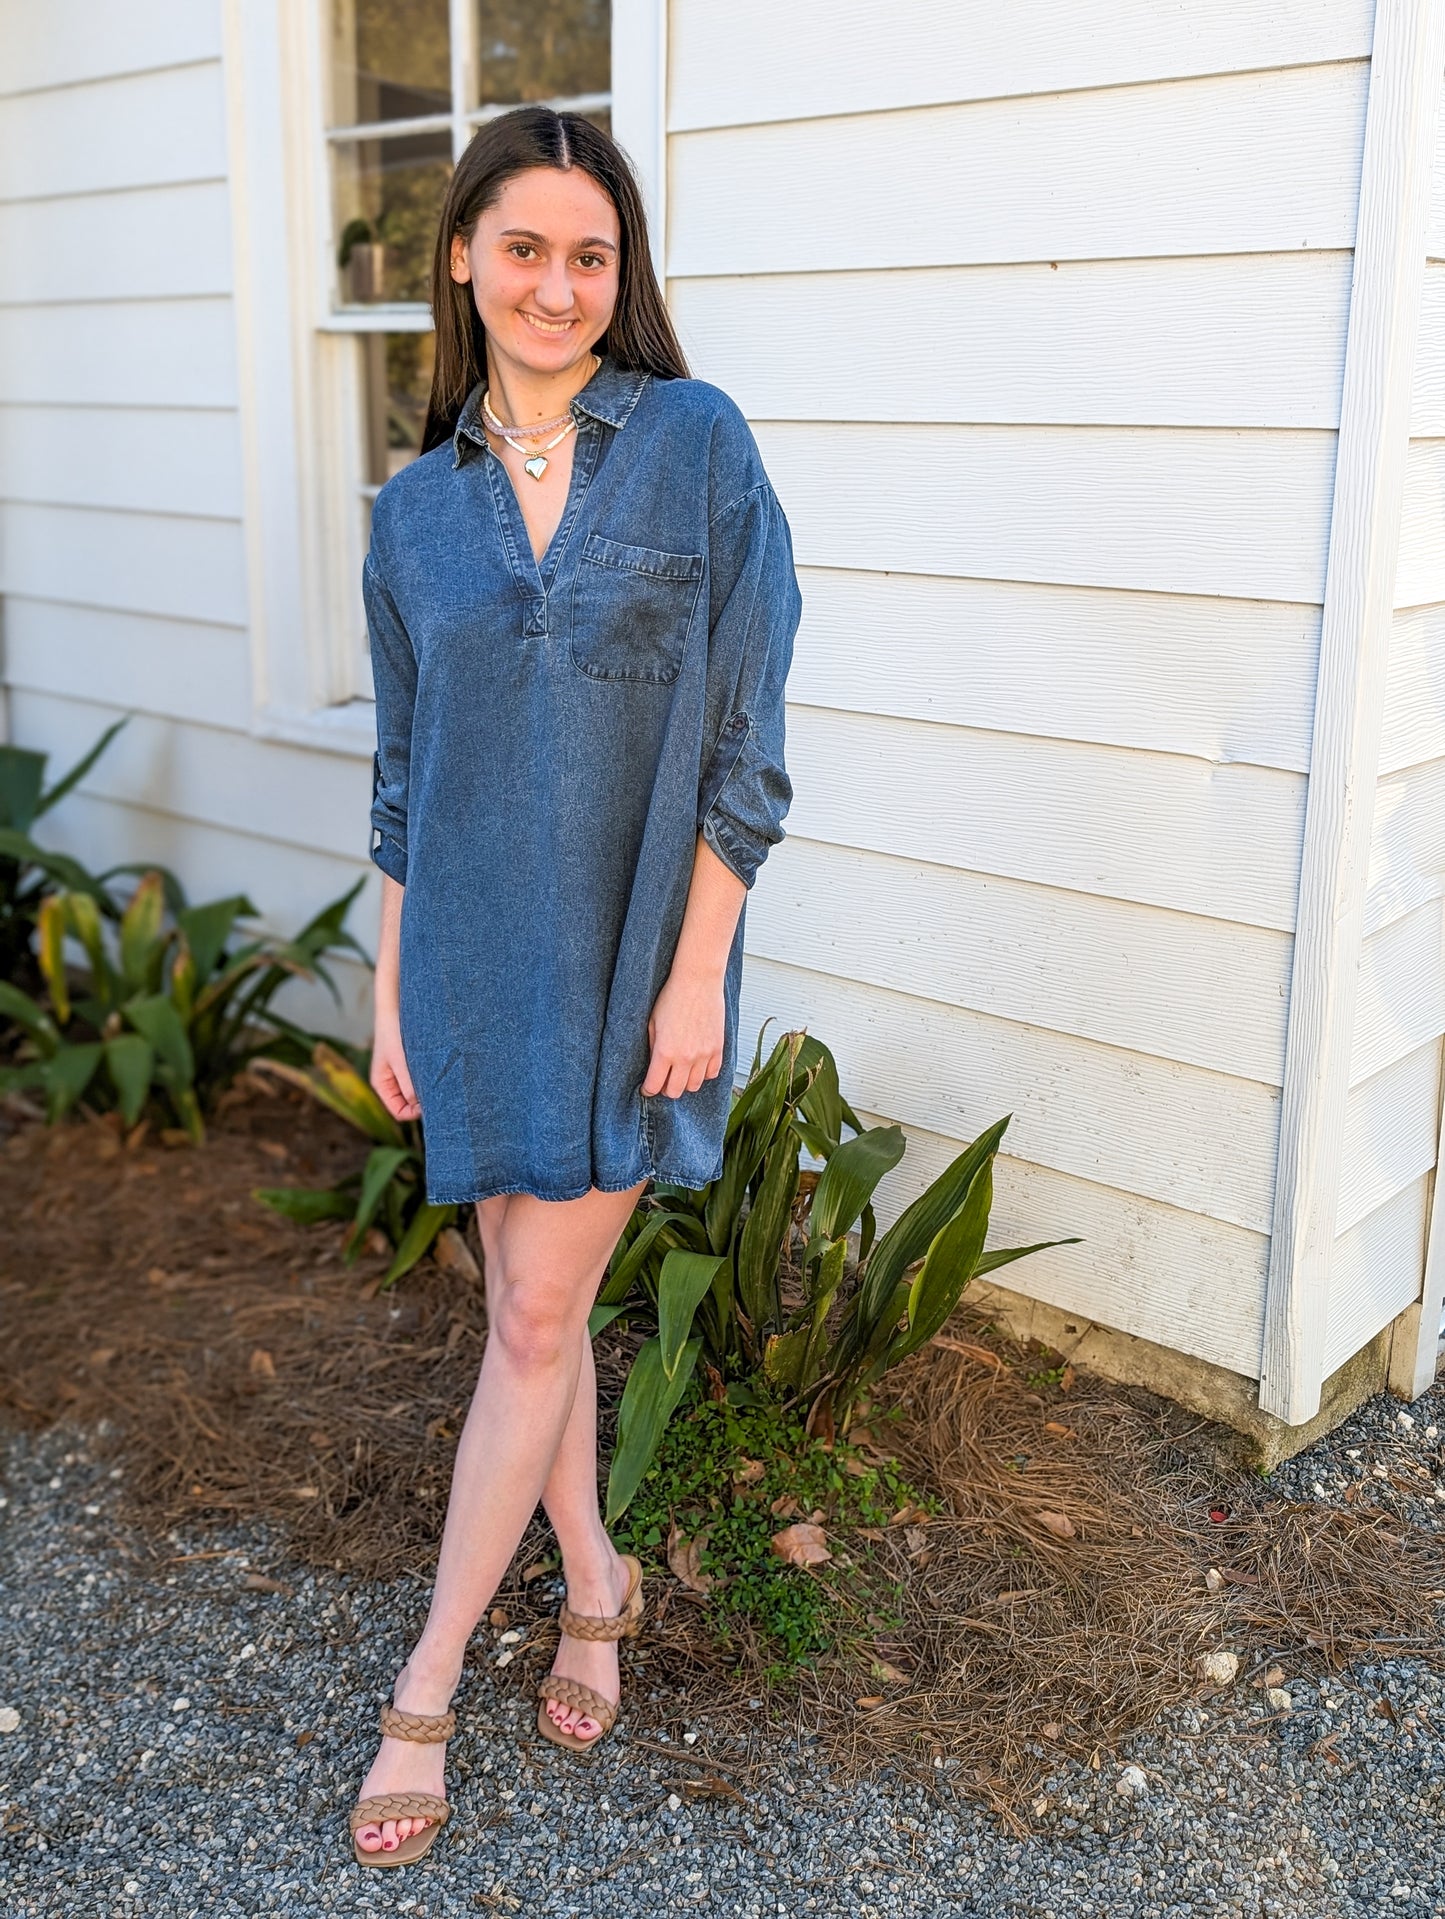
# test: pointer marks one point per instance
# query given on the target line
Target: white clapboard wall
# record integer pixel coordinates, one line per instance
(1392, 1124)
(1040, 316)
(122, 559)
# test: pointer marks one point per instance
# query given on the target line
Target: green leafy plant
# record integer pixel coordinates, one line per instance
(28, 870)
(729, 1477)
(389, 1192)
(708, 1265)
(167, 1011)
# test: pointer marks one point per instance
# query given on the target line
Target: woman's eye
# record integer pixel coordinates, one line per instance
(523, 245)
(595, 258)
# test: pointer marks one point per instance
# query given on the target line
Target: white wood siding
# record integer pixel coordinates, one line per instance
(1041, 322)
(1392, 1125)
(122, 549)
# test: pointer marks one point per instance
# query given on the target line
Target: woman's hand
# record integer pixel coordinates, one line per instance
(390, 1080)
(685, 1032)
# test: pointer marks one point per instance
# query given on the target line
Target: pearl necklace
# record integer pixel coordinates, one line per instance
(537, 464)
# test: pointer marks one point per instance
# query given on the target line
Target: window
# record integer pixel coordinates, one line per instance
(406, 84)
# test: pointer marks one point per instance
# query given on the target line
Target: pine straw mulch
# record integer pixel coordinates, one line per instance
(239, 1370)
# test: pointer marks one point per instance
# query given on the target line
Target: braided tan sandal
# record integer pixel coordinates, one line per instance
(571, 1692)
(425, 1728)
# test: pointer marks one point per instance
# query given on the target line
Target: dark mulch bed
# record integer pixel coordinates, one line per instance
(238, 1368)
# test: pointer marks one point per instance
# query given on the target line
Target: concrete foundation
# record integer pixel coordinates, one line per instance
(1243, 1435)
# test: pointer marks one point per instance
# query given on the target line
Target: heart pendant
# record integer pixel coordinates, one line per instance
(536, 466)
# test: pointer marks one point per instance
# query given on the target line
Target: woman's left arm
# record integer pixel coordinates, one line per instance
(686, 1027)
(745, 791)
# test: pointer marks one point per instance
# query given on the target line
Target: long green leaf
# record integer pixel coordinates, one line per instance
(915, 1228)
(849, 1180)
(648, 1400)
(141, 944)
(1002, 1255)
(358, 1101)
(66, 872)
(684, 1279)
(69, 781)
(619, 1282)
(130, 1061)
(765, 1104)
(765, 1230)
(307, 1205)
(153, 1016)
(822, 1104)
(208, 927)
(26, 1013)
(948, 1266)
(381, 1164)
(66, 1075)
(601, 1316)
(22, 776)
(426, 1222)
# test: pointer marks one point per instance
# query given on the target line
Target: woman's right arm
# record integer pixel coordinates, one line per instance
(393, 668)
(389, 1075)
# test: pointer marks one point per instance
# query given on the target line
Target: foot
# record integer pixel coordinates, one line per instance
(598, 1587)
(408, 1765)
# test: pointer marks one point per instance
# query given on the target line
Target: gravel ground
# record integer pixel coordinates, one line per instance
(176, 1742)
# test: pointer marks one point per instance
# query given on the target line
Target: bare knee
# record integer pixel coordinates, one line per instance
(534, 1321)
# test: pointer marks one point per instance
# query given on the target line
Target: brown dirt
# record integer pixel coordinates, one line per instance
(243, 1370)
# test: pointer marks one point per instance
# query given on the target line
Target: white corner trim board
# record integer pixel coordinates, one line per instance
(1400, 128)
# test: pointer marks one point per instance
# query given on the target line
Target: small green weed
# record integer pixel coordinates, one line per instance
(720, 1468)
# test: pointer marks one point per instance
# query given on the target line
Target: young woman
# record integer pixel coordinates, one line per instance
(581, 602)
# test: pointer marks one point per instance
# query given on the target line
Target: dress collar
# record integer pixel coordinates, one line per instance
(609, 396)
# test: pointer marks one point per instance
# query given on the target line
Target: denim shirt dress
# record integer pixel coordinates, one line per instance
(550, 741)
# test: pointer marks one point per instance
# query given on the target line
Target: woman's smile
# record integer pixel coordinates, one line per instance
(546, 326)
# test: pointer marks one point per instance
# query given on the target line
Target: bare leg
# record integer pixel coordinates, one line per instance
(595, 1574)
(547, 1257)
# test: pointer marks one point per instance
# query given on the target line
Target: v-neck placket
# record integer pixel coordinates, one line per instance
(533, 576)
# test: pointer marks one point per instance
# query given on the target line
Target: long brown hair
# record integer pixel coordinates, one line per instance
(639, 336)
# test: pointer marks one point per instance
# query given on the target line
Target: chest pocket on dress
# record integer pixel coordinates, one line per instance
(631, 610)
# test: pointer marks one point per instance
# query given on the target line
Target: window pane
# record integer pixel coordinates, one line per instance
(542, 49)
(388, 201)
(390, 60)
(397, 370)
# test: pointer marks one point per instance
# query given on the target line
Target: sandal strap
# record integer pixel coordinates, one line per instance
(618, 1625)
(398, 1805)
(423, 1727)
(572, 1693)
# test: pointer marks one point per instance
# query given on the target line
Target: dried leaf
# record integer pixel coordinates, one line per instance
(801, 1545)
(263, 1583)
(262, 1364)
(535, 1570)
(980, 1354)
(1059, 1524)
(1063, 1432)
(684, 1557)
(452, 1253)
(888, 1673)
(867, 1704)
(784, 1506)
(103, 1355)
(749, 1473)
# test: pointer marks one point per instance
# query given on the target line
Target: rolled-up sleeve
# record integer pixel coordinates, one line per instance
(754, 610)
(393, 672)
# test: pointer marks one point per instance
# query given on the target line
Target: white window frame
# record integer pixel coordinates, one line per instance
(299, 410)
